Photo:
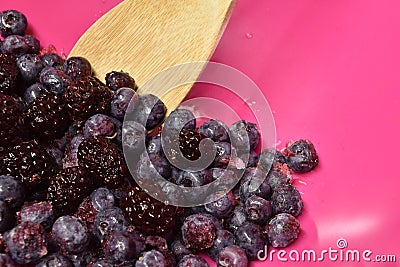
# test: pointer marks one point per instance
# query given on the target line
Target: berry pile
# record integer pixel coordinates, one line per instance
(68, 198)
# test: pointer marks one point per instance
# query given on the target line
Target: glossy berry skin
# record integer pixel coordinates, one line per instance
(11, 120)
(109, 220)
(27, 242)
(222, 207)
(194, 179)
(33, 44)
(287, 199)
(11, 191)
(179, 250)
(77, 67)
(249, 236)
(118, 79)
(34, 91)
(52, 60)
(152, 166)
(102, 198)
(29, 66)
(152, 258)
(180, 119)
(254, 183)
(99, 125)
(6, 217)
(54, 80)
(149, 110)
(223, 154)
(236, 219)
(154, 145)
(258, 209)
(133, 138)
(54, 260)
(232, 256)
(223, 239)
(283, 229)
(71, 234)
(268, 157)
(192, 261)
(8, 74)
(301, 156)
(38, 212)
(119, 247)
(279, 176)
(244, 135)
(216, 130)
(12, 22)
(15, 45)
(121, 100)
(198, 232)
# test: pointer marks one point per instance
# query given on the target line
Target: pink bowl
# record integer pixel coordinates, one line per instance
(330, 72)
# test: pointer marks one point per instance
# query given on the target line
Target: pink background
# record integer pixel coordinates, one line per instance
(330, 72)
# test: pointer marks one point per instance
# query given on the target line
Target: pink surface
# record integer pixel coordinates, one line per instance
(330, 72)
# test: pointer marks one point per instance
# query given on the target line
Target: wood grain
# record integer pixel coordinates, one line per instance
(145, 37)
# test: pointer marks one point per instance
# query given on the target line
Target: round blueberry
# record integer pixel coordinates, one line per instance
(178, 249)
(154, 145)
(119, 79)
(198, 232)
(150, 166)
(301, 156)
(12, 22)
(11, 191)
(99, 125)
(222, 207)
(152, 258)
(71, 152)
(149, 110)
(52, 60)
(278, 177)
(120, 101)
(29, 66)
(15, 45)
(223, 239)
(119, 247)
(223, 155)
(216, 130)
(253, 159)
(283, 229)
(180, 119)
(33, 92)
(194, 179)
(258, 209)
(287, 199)
(270, 156)
(254, 183)
(250, 237)
(55, 80)
(33, 44)
(102, 198)
(244, 135)
(236, 219)
(77, 67)
(133, 138)
(54, 260)
(192, 261)
(232, 256)
(108, 220)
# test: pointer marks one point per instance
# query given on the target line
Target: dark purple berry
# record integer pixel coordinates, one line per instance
(287, 199)
(156, 242)
(194, 179)
(77, 67)
(38, 212)
(71, 152)
(15, 45)
(54, 80)
(254, 183)
(99, 125)
(33, 92)
(52, 60)
(268, 157)
(133, 138)
(109, 220)
(189, 144)
(253, 159)
(8, 74)
(149, 110)
(119, 79)
(279, 176)
(192, 261)
(198, 232)
(236, 219)
(101, 263)
(11, 191)
(282, 230)
(119, 247)
(86, 213)
(71, 234)
(152, 258)
(223, 155)
(154, 145)
(223, 239)
(180, 119)
(56, 153)
(216, 130)
(122, 98)
(12, 22)
(6, 217)
(151, 166)
(33, 44)
(29, 66)
(250, 237)
(27, 242)
(179, 250)
(258, 209)
(222, 207)
(232, 256)
(244, 135)
(301, 156)
(6, 261)
(102, 198)
(54, 260)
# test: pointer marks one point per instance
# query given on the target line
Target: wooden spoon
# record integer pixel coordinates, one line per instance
(145, 37)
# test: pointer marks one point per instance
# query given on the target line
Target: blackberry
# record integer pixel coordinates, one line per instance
(301, 156)
(11, 122)
(189, 142)
(87, 96)
(67, 190)
(38, 212)
(12, 22)
(198, 232)
(30, 163)
(8, 74)
(46, 117)
(100, 157)
(148, 214)
(119, 79)
(86, 212)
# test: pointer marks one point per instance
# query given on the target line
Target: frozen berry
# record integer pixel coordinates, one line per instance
(301, 156)
(223, 206)
(54, 260)
(27, 242)
(33, 44)
(34, 91)
(152, 258)
(54, 80)
(11, 120)
(194, 179)
(236, 219)
(282, 230)
(29, 66)
(71, 234)
(11, 191)
(151, 166)
(249, 236)
(6, 217)
(119, 79)
(268, 157)
(154, 145)
(244, 135)
(8, 74)
(216, 130)
(77, 67)
(279, 176)
(102, 198)
(223, 154)
(15, 45)
(149, 110)
(109, 220)
(86, 212)
(99, 124)
(232, 256)
(254, 183)
(133, 138)
(192, 261)
(180, 119)
(52, 60)
(71, 152)
(223, 239)
(12, 22)
(179, 250)
(198, 232)
(122, 98)
(253, 159)
(6, 261)
(258, 209)
(119, 247)
(38, 212)
(287, 199)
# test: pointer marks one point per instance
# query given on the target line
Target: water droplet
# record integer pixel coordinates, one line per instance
(249, 35)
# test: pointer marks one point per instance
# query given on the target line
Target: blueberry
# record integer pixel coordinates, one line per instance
(108, 220)
(152, 258)
(236, 219)
(33, 92)
(12, 22)
(151, 166)
(119, 247)
(99, 125)
(154, 145)
(258, 209)
(254, 183)
(27, 242)
(222, 207)
(133, 138)
(121, 100)
(282, 230)
(278, 177)
(101, 263)
(223, 155)
(55, 260)
(77, 67)
(232, 256)
(253, 159)
(216, 130)
(198, 232)
(71, 234)
(102, 198)
(15, 45)
(223, 239)
(244, 135)
(194, 179)
(192, 261)
(11, 191)
(6, 261)
(301, 156)
(55, 80)
(149, 110)
(6, 217)
(38, 212)
(179, 250)
(52, 60)
(287, 199)
(119, 79)
(270, 156)
(33, 44)
(180, 119)
(250, 237)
